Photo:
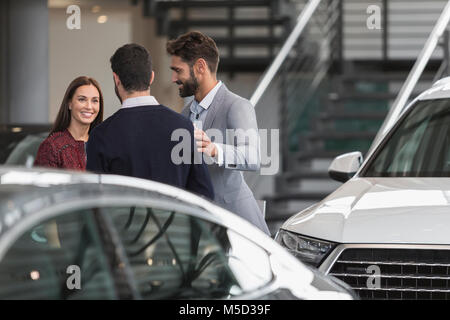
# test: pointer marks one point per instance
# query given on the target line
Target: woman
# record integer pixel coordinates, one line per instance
(81, 110)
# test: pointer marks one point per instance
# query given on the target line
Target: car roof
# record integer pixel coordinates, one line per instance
(20, 186)
(25, 191)
(439, 90)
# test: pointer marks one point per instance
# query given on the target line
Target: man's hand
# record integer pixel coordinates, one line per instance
(204, 144)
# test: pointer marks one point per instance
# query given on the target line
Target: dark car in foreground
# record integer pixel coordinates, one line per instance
(67, 235)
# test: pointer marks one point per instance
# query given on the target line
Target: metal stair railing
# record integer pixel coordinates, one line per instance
(302, 64)
(273, 69)
(300, 74)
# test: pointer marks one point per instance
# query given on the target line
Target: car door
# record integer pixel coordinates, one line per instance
(174, 254)
(61, 257)
(169, 250)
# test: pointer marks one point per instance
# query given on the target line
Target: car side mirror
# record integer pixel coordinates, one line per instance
(344, 167)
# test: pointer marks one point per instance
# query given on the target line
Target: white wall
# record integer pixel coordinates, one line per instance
(144, 33)
(86, 51)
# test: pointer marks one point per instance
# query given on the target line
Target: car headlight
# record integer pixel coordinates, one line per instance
(308, 250)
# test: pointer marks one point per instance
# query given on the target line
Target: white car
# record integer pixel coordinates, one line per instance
(386, 231)
(67, 235)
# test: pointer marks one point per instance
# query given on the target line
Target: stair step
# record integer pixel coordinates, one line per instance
(211, 3)
(228, 23)
(352, 116)
(366, 66)
(297, 196)
(310, 155)
(249, 40)
(247, 64)
(369, 76)
(324, 185)
(339, 135)
(382, 77)
(363, 96)
(292, 176)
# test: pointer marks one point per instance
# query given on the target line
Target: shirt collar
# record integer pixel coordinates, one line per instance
(206, 102)
(140, 101)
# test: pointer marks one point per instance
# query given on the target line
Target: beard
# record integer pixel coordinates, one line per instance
(189, 87)
(117, 92)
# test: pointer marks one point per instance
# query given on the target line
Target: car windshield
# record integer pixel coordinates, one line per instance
(419, 146)
(20, 149)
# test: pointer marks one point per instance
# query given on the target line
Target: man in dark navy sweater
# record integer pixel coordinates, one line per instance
(137, 140)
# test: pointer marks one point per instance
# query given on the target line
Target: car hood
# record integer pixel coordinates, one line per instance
(380, 210)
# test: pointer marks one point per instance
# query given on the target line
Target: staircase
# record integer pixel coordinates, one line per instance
(248, 33)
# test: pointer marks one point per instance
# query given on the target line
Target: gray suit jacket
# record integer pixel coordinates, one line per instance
(240, 145)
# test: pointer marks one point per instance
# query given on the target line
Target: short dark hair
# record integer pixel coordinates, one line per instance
(133, 64)
(194, 45)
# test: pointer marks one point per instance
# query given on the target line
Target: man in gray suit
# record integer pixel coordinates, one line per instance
(226, 129)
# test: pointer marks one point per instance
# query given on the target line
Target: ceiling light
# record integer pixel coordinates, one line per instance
(102, 19)
(96, 9)
(35, 275)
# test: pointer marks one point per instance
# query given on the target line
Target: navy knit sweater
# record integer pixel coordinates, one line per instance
(137, 142)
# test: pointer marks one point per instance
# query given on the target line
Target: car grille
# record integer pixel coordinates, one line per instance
(395, 273)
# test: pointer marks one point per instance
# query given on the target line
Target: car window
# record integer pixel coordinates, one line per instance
(420, 145)
(19, 148)
(43, 262)
(178, 256)
(24, 152)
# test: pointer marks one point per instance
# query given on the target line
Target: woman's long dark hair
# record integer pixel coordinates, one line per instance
(63, 118)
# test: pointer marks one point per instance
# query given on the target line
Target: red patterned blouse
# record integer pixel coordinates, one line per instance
(61, 150)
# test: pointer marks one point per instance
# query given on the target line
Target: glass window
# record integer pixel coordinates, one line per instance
(25, 151)
(419, 147)
(38, 265)
(162, 253)
(20, 148)
(178, 256)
